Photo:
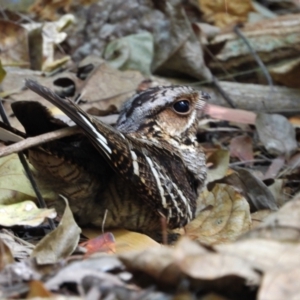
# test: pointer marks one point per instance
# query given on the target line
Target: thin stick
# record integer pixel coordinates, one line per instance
(38, 140)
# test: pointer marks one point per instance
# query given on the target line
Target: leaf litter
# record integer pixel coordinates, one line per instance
(244, 241)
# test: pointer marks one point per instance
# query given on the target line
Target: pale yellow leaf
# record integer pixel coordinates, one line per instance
(24, 213)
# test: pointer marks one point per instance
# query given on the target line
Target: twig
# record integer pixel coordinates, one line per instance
(255, 55)
(222, 92)
(38, 140)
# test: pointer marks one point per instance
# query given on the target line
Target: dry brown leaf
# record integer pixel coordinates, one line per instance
(203, 264)
(214, 266)
(60, 242)
(13, 44)
(47, 9)
(287, 73)
(263, 255)
(108, 86)
(226, 216)
(37, 289)
(6, 256)
(295, 120)
(223, 13)
(283, 225)
(156, 262)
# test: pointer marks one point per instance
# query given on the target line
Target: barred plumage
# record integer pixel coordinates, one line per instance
(153, 151)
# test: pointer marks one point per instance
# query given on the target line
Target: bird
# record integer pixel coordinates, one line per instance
(149, 167)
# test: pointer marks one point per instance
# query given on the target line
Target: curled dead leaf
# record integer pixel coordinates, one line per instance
(156, 262)
(220, 163)
(59, 243)
(226, 216)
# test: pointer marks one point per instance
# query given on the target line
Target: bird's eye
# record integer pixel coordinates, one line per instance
(182, 106)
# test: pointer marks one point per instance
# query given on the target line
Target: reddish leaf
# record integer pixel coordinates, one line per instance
(102, 243)
(241, 147)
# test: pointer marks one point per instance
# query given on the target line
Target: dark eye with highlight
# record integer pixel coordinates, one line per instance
(182, 106)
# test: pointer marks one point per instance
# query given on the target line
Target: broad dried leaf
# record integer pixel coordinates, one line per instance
(215, 266)
(226, 216)
(276, 133)
(206, 264)
(108, 86)
(59, 243)
(284, 225)
(256, 192)
(264, 255)
(156, 262)
(24, 213)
